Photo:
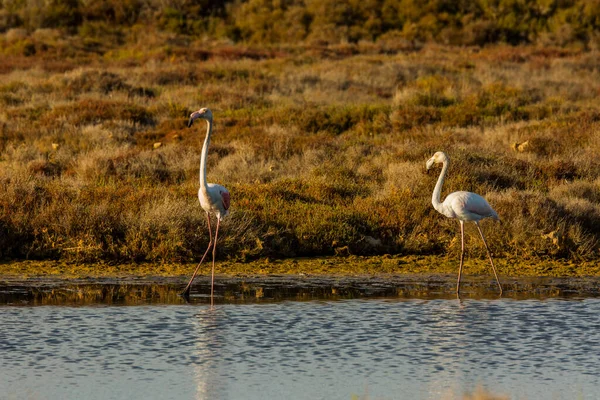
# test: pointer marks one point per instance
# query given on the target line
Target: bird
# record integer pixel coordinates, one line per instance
(214, 199)
(464, 206)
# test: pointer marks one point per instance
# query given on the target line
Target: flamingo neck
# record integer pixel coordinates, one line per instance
(437, 192)
(204, 155)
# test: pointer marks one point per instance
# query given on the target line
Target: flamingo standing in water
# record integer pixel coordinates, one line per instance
(464, 206)
(214, 199)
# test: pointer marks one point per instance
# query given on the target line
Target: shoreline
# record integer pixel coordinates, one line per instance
(277, 280)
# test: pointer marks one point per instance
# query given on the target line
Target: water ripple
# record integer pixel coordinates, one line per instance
(304, 350)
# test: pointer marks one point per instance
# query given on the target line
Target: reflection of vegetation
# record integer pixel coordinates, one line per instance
(290, 21)
(68, 293)
(56, 290)
(138, 294)
(110, 294)
(480, 393)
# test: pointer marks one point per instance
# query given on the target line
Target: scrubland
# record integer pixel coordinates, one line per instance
(322, 146)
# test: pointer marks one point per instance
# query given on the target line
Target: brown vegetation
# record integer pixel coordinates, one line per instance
(322, 148)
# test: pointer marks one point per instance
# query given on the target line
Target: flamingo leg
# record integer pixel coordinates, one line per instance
(212, 280)
(489, 254)
(186, 291)
(462, 254)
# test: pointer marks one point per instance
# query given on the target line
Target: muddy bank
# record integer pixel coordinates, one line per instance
(427, 277)
(322, 266)
(264, 288)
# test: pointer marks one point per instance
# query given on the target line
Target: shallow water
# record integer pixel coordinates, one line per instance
(376, 349)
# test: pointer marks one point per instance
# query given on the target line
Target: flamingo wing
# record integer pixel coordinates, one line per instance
(225, 197)
(470, 206)
(478, 205)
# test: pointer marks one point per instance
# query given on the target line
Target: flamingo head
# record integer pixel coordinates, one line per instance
(438, 158)
(203, 113)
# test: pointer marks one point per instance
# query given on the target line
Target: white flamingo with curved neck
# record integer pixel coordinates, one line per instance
(464, 206)
(214, 199)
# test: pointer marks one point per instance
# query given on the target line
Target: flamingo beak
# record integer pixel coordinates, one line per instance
(190, 122)
(429, 163)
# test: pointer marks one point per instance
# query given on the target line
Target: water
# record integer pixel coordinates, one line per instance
(375, 349)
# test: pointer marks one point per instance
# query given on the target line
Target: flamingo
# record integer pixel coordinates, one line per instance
(464, 206)
(214, 199)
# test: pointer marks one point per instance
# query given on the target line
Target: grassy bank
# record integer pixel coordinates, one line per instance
(322, 148)
(325, 266)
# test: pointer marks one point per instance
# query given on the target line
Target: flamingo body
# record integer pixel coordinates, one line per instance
(464, 206)
(215, 199)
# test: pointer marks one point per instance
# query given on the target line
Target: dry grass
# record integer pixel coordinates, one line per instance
(322, 154)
